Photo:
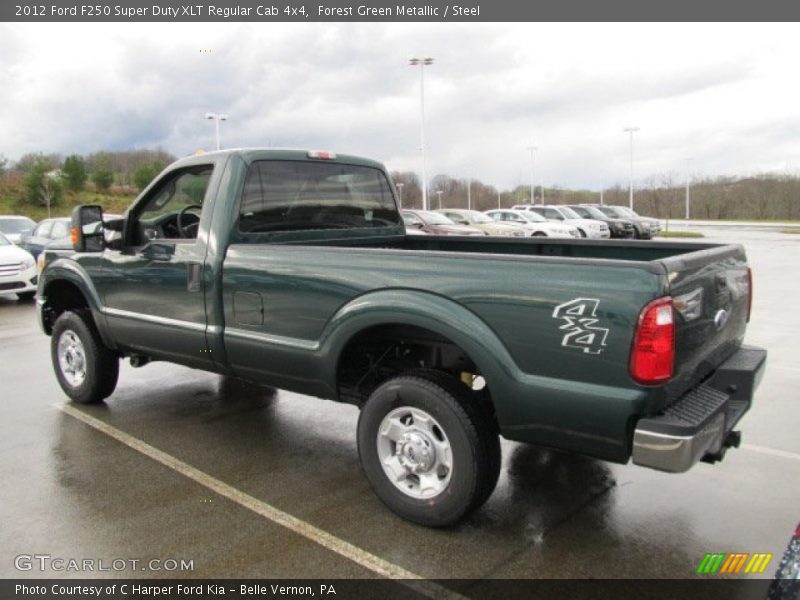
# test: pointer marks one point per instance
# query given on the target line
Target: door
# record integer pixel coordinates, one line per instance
(153, 289)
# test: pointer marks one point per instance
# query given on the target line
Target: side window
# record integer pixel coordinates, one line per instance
(59, 230)
(411, 219)
(301, 195)
(179, 197)
(551, 213)
(43, 230)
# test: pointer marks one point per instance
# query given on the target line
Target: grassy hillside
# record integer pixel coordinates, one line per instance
(12, 201)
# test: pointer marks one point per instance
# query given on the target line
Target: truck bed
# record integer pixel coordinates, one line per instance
(624, 250)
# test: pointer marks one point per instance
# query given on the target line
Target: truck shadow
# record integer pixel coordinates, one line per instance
(541, 490)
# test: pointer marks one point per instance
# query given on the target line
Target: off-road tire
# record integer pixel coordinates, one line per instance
(467, 420)
(101, 364)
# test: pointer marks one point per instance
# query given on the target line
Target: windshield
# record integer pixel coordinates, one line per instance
(432, 218)
(626, 212)
(618, 211)
(478, 217)
(4, 240)
(610, 211)
(568, 212)
(16, 225)
(531, 216)
(590, 212)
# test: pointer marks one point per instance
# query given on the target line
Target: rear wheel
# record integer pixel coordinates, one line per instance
(86, 370)
(539, 234)
(582, 232)
(429, 446)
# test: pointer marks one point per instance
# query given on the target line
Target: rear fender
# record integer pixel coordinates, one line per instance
(421, 309)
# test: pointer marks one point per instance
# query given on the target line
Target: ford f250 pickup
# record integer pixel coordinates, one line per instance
(293, 269)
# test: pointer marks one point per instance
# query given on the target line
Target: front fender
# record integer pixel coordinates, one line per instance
(65, 269)
(69, 271)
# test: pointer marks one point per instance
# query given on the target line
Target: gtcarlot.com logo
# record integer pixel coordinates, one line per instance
(46, 562)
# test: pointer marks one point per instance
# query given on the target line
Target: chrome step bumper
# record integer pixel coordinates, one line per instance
(699, 426)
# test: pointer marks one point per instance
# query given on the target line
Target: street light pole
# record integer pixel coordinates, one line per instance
(688, 181)
(631, 131)
(422, 63)
(469, 193)
(498, 198)
(400, 192)
(532, 150)
(216, 117)
(439, 193)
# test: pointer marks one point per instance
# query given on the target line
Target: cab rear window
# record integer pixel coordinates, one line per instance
(299, 195)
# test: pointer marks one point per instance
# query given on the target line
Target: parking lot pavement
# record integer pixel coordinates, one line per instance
(250, 482)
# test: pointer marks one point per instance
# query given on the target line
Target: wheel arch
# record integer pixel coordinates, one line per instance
(63, 286)
(419, 313)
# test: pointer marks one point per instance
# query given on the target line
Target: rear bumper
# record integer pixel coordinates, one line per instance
(699, 425)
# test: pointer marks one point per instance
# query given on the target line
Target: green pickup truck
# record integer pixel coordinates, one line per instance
(293, 269)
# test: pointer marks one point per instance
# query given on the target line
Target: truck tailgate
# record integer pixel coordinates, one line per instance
(711, 293)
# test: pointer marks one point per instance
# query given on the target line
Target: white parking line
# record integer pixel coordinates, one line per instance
(323, 538)
(771, 451)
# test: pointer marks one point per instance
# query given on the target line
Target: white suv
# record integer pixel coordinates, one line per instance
(534, 224)
(588, 228)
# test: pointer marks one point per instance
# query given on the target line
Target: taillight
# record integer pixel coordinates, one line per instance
(749, 292)
(653, 352)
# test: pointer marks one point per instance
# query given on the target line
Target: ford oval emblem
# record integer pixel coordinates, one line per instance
(720, 319)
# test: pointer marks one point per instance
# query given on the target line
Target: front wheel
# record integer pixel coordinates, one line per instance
(429, 447)
(582, 232)
(539, 234)
(86, 370)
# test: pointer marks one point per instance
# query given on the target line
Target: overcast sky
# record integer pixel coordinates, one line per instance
(725, 95)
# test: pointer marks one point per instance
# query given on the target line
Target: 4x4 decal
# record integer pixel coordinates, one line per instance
(580, 324)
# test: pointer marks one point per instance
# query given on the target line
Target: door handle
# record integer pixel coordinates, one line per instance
(160, 252)
(194, 272)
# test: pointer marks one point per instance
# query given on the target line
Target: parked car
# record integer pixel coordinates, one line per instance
(46, 231)
(619, 228)
(534, 224)
(18, 273)
(475, 218)
(435, 223)
(617, 350)
(61, 247)
(645, 227)
(588, 228)
(14, 227)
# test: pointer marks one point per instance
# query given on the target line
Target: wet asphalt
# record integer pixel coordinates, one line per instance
(71, 491)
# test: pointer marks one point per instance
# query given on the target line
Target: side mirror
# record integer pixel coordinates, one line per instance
(87, 231)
